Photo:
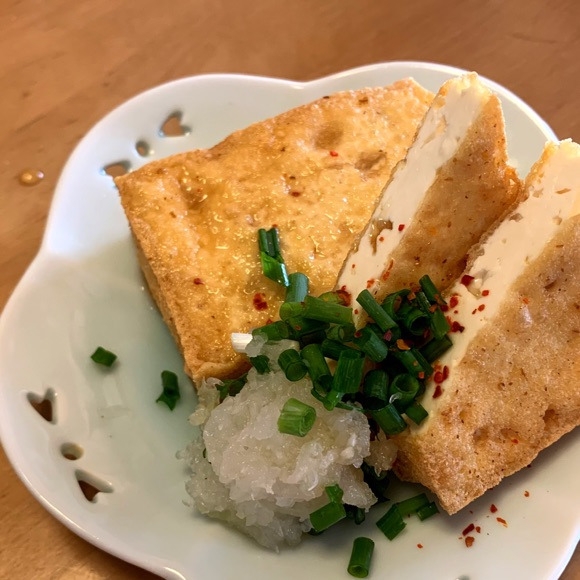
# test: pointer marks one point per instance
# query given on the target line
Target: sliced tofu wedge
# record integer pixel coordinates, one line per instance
(454, 183)
(510, 385)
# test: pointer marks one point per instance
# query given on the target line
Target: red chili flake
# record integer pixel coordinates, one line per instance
(444, 307)
(515, 441)
(437, 392)
(502, 522)
(357, 334)
(370, 283)
(492, 508)
(333, 154)
(469, 541)
(453, 301)
(438, 377)
(259, 301)
(344, 295)
(525, 300)
(295, 193)
(381, 238)
(421, 375)
(402, 345)
(485, 292)
(481, 307)
(198, 281)
(445, 372)
(478, 529)
(526, 493)
(401, 227)
(269, 321)
(466, 279)
(468, 529)
(385, 275)
(456, 327)
(419, 546)
(356, 310)
(474, 311)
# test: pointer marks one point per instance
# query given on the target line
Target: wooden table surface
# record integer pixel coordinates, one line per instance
(65, 64)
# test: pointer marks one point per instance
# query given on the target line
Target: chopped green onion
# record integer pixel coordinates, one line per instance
(297, 289)
(292, 365)
(272, 262)
(439, 324)
(291, 309)
(327, 516)
(170, 394)
(435, 348)
(341, 332)
(423, 362)
(427, 511)
(269, 243)
(104, 357)
(437, 321)
(296, 418)
(334, 492)
(261, 363)
(389, 419)
(404, 308)
(416, 412)
(273, 269)
(356, 514)
(332, 348)
(415, 321)
(376, 389)
(315, 337)
(273, 332)
(231, 387)
(374, 310)
(360, 557)
(392, 523)
(371, 344)
(411, 505)
(430, 290)
(349, 372)
(393, 301)
(275, 241)
(264, 242)
(318, 309)
(301, 325)
(423, 303)
(403, 390)
(332, 399)
(316, 364)
(409, 360)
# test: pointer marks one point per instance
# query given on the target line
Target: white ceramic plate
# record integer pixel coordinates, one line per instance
(84, 289)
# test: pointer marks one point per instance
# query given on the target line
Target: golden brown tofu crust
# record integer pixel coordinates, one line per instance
(315, 172)
(516, 390)
(475, 189)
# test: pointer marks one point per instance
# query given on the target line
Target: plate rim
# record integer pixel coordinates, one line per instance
(44, 253)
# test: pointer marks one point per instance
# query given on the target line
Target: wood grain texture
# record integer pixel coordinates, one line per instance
(64, 64)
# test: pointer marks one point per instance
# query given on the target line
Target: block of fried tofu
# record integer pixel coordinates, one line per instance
(510, 384)
(453, 184)
(315, 172)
